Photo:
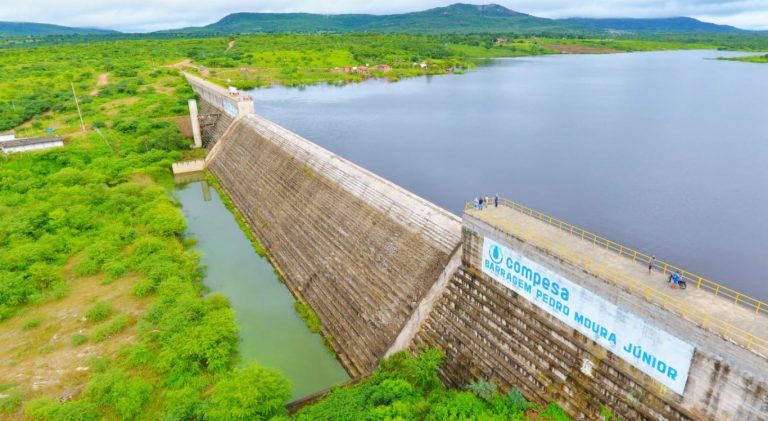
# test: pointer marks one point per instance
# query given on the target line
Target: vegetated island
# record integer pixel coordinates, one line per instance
(748, 59)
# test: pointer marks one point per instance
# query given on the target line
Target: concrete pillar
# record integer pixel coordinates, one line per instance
(206, 190)
(195, 124)
(245, 105)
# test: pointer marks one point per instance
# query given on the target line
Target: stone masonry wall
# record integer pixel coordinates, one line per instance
(490, 332)
(211, 134)
(362, 269)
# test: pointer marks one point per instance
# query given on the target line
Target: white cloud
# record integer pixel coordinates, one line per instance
(150, 15)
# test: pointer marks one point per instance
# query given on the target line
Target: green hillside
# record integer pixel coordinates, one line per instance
(26, 29)
(661, 25)
(457, 18)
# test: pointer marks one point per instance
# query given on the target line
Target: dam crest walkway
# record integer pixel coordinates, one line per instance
(733, 316)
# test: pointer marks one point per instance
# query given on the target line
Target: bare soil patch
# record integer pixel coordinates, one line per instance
(102, 81)
(184, 125)
(43, 360)
(187, 64)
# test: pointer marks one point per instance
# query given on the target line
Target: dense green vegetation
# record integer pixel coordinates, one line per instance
(407, 387)
(100, 207)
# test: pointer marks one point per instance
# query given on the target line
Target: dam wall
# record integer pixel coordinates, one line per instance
(386, 270)
(360, 250)
(219, 107)
(490, 331)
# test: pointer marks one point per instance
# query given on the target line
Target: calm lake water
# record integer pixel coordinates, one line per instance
(666, 152)
(271, 332)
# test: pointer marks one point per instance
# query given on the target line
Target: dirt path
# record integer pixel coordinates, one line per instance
(230, 45)
(102, 81)
(187, 64)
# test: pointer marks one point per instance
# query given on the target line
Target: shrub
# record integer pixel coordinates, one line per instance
(249, 393)
(98, 364)
(422, 371)
(113, 270)
(100, 311)
(183, 404)
(115, 389)
(60, 290)
(144, 287)
(165, 220)
(79, 339)
(49, 409)
(112, 328)
(485, 390)
(391, 390)
(11, 401)
(515, 401)
(308, 315)
(31, 323)
(43, 275)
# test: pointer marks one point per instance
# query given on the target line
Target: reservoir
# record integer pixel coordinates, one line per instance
(271, 332)
(665, 152)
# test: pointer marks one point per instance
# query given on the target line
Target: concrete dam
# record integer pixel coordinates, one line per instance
(511, 295)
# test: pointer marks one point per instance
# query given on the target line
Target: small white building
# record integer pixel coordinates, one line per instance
(27, 144)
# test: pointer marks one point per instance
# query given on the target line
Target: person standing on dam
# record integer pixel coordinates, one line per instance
(496, 201)
(650, 264)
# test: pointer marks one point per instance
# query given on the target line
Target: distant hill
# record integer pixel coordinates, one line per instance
(26, 29)
(676, 25)
(457, 18)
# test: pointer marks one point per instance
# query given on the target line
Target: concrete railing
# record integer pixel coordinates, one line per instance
(232, 103)
(719, 290)
(754, 342)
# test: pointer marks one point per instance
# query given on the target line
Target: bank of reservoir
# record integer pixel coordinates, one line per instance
(271, 332)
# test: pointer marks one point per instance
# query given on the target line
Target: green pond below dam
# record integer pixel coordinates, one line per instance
(271, 332)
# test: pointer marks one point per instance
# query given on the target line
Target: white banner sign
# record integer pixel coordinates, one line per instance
(230, 108)
(652, 350)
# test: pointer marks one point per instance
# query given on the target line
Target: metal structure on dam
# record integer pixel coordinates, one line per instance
(511, 295)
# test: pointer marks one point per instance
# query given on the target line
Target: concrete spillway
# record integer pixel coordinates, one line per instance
(385, 270)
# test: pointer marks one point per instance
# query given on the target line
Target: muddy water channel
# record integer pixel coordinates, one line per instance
(271, 333)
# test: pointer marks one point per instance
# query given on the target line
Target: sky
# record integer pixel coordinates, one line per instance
(151, 15)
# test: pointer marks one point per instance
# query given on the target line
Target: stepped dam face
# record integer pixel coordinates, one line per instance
(386, 270)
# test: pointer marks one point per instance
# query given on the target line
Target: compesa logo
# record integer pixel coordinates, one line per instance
(495, 254)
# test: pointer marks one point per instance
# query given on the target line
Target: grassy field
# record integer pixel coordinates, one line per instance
(102, 310)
